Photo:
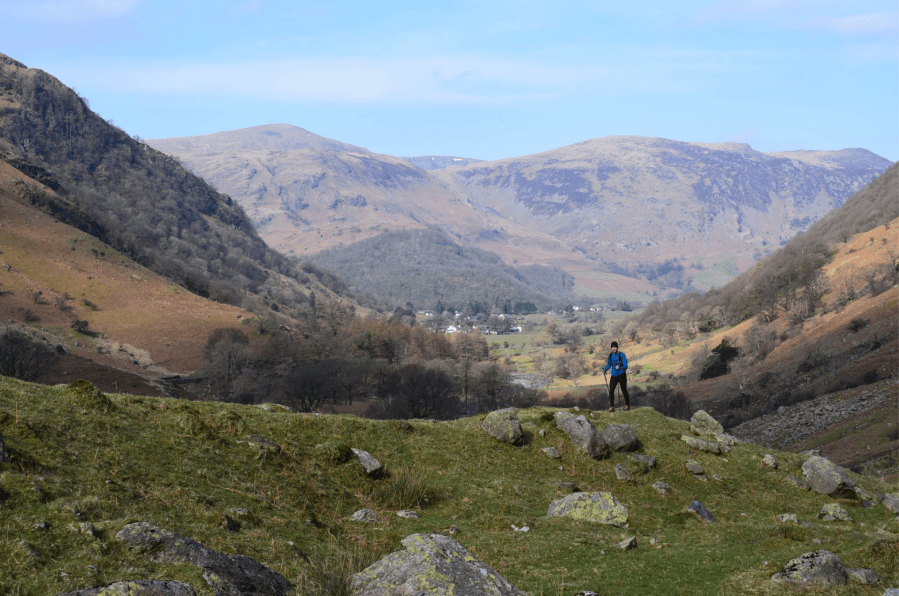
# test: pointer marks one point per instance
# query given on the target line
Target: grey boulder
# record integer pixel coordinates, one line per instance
(827, 478)
(583, 434)
(431, 564)
(620, 437)
(371, 465)
(821, 567)
(702, 423)
(229, 575)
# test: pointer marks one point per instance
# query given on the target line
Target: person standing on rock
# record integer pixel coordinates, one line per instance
(617, 363)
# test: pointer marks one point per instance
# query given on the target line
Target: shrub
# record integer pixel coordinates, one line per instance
(22, 357)
(404, 489)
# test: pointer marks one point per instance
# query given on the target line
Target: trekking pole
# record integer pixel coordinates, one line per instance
(609, 391)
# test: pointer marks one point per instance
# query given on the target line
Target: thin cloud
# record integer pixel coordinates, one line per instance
(68, 10)
(821, 15)
(861, 24)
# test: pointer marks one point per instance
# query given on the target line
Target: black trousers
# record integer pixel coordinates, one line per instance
(619, 380)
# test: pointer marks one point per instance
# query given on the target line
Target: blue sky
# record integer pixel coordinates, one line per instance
(478, 78)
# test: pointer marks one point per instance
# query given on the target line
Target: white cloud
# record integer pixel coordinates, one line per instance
(68, 10)
(861, 23)
(826, 15)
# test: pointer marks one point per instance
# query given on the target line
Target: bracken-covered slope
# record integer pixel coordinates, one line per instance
(136, 199)
(281, 487)
(643, 207)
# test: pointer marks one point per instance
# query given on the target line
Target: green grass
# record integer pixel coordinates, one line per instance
(718, 274)
(184, 465)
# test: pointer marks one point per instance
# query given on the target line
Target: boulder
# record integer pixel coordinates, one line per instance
(821, 567)
(622, 473)
(891, 502)
(552, 452)
(707, 446)
(371, 465)
(769, 461)
(598, 507)
(142, 587)
(504, 426)
(800, 483)
(583, 434)
(430, 564)
(727, 439)
(702, 423)
(701, 512)
(227, 574)
(827, 478)
(788, 517)
(620, 437)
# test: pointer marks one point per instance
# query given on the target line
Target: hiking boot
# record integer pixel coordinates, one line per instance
(612, 409)
(626, 408)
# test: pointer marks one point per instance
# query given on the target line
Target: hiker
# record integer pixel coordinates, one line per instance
(617, 362)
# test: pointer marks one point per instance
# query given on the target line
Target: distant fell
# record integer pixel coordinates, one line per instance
(268, 137)
(438, 162)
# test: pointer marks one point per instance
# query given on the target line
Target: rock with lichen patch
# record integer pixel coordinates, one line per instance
(504, 426)
(827, 478)
(598, 507)
(834, 511)
(702, 423)
(620, 437)
(707, 446)
(431, 564)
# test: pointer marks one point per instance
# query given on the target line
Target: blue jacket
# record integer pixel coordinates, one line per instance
(619, 359)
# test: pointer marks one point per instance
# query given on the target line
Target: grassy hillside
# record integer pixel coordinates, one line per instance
(84, 464)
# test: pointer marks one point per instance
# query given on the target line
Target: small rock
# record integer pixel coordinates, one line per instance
(569, 486)
(541, 432)
(707, 446)
(628, 544)
(701, 512)
(621, 437)
(695, 467)
(622, 473)
(788, 517)
(552, 452)
(230, 524)
(127, 588)
(521, 529)
(834, 511)
(365, 516)
(769, 461)
(646, 461)
(504, 426)
(371, 465)
(598, 507)
(408, 514)
(891, 502)
(863, 576)
(661, 487)
(42, 526)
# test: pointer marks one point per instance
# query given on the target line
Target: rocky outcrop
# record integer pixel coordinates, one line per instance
(707, 446)
(583, 434)
(371, 465)
(504, 426)
(431, 564)
(229, 575)
(598, 507)
(702, 423)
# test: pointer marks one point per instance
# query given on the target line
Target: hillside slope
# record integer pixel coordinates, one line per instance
(136, 199)
(665, 213)
(277, 487)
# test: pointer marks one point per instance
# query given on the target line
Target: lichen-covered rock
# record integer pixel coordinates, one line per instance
(141, 587)
(788, 517)
(371, 465)
(504, 426)
(229, 575)
(598, 507)
(702, 423)
(821, 567)
(727, 439)
(800, 483)
(834, 511)
(707, 446)
(583, 434)
(620, 437)
(770, 461)
(431, 564)
(695, 467)
(827, 478)
(891, 502)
